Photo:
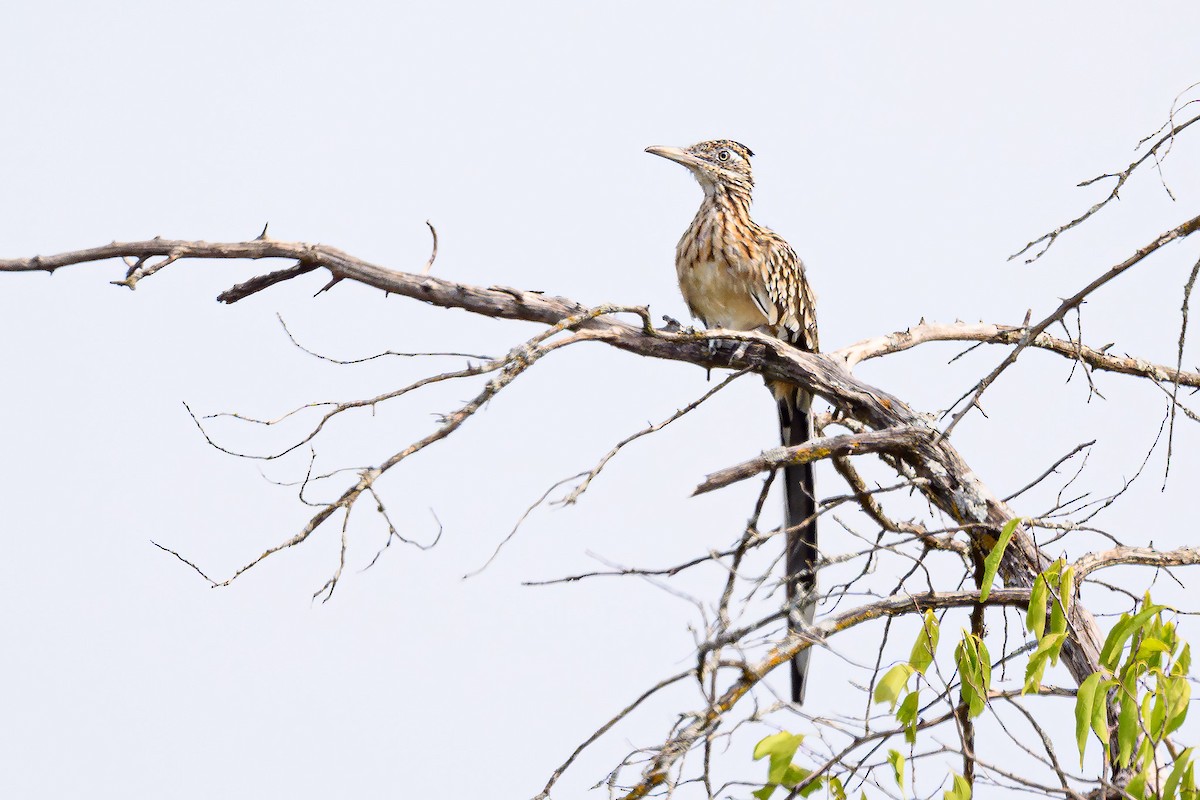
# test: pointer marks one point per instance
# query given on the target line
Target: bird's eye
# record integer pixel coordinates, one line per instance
(723, 155)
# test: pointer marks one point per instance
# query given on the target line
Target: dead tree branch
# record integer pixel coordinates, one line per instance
(889, 440)
(1177, 233)
(988, 333)
(948, 481)
(1166, 139)
(1140, 556)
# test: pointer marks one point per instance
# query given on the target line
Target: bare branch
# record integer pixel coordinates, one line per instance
(890, 440)
(1141, 556)
(519, 360)
(987, 333)
(1164, 142)
(874, 510)
(545, 793)
(588, 477)
(1179, 232)
(1183, 325)
(948, 481)
(385, 354)
(517, 525)
(1050, 470)
(199, 571)
(433, 255)
(261, 282)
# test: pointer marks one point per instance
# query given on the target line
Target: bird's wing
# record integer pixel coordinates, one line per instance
(762, 299)
(789, 294)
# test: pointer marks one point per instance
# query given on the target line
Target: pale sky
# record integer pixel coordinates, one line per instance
(904, 150)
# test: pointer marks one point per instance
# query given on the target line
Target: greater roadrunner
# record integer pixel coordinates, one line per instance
(736, 274)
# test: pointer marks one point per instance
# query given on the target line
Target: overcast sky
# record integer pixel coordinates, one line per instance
(903, 149)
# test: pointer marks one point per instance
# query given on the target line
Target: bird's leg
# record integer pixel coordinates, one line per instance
(712, 353)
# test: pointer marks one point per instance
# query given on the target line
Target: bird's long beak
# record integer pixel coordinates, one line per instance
(676, 154)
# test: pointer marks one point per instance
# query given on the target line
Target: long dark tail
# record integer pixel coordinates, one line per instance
(796, 427)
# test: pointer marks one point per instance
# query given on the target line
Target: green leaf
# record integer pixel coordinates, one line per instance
(1145, 755)
(795, 775)
(985, 667)
(1047, 648)
(906, 715)
(992, 563)
(925, 647)
(1183, 664)
(1176, 694)
(1166, 632)
(1085, 698)
(974, 672)
(1154, 709)
(959, 790)
(889, 687)
(973, 694)
(837, 789)
(1035, 615)
(1100, 712)
(1066, 589)
(896, 759)
(1127, 717)
(1149, 742)
(1171, 787)
(780, 747)
(783, 744)
(1056, 646)
(1058, 617)
(765, 792)
(1110, 654)
(1051, 581)
(1151, 646)
(966, 655)
(812, 787)
(1136, 787)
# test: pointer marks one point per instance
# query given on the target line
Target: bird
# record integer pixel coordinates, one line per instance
(739, 275)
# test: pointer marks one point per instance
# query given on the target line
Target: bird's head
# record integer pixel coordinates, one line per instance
(721, 162)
